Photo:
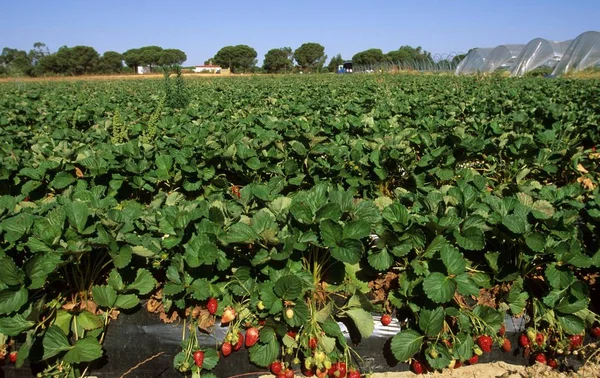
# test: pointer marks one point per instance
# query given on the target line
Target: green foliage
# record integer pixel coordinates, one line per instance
(310, 56)
(239, 58)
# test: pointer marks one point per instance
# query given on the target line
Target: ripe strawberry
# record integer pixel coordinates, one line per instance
(523, 341)
(473, 360)
(553, 363)
(289, 313)
(277, 367)
(251, 336)
(539, 339)
(353, 374)
(239, 342)
(212, 305)
(226, 348)
(576, 341)
(595, 332)
(485, 343)
(12, 357)
(502, 330)
(342, 369)
(417, 367)
(228, 315)
(386, 319)
(235, 190)
(292, 334)
(541, 358)
(506, 346)
(313, 342)
(457, 364)
(198, 358)
(289, 373)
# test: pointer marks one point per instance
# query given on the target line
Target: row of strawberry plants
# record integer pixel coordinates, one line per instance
(299, 209)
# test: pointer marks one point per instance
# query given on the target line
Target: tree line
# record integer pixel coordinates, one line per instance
(80, 60)
(83, 60)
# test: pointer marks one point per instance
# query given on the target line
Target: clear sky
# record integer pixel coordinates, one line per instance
(200, 28)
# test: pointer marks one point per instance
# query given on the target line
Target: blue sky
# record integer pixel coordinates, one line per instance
(201, 28)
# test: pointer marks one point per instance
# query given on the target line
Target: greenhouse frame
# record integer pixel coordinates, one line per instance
(563, 57)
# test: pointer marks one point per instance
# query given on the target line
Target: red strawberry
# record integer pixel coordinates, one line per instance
(485, 343)
(539, 339)
(502, 330)
(596, 332)
(12, 357)
(251, 336)
(353, 374)
(226, 348)
(341, 369)
(308, 372)
(417, 367)
(235, 190)
(239, 342)
(313, 342)
(506, 347)
(473, 360)
(321, 373)
(386, 319)
(277, 367)
(541, 358)
(576, 341)
(553, 363)
(212, 305)
(291, 334)
(228, 315)
(289, 373)
(457, 364)
(523, 341)
(199, 358)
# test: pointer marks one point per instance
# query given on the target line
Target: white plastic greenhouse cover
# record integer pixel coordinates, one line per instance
(582, 53)
(501, 56)
(538, 52)
(473, 61)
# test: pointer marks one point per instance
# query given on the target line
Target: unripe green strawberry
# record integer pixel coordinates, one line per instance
(477, 351)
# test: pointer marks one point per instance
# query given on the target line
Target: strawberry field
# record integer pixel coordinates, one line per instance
(279, 211)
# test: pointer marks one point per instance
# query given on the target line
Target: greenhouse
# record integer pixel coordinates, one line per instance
(474, 61)
(571, 55)
(582, 53)
(538, 52)
(501, 57)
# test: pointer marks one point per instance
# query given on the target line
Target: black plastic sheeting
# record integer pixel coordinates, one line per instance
(134, 338)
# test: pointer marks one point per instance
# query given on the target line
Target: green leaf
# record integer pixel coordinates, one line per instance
(542, 210)
(571, 324)
(301, 315)
(200, 289)
(431, 322)
(536, 242)
(331, 233)
(559, 276)
(144, 283)
(12, 300)
(78, 214)
(288, 287)
(362, 320)
(241, 233)
(142, 251)
(25, 349)
(62, 180)
(85, 350)
(453, 260)
(356, 230)
(471, 239)
(88, 321)
(396, 213)
(327, 344)
(348, 251)
(406, 344)
(323, 314)
(127, 301)
(439, 288)
(381, 260)
(63, 320)
(465, 285)
(10, 274)
(264, 354)
(54, 342)
(516, 223)
(464, 346)
(104, 296)
(15, 325)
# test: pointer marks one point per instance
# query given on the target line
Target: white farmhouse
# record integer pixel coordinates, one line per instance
(208, 69)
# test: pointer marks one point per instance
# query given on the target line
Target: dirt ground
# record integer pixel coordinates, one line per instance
(106, 77)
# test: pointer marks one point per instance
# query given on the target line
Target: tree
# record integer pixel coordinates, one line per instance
(15, 62)
(334, 63)
(369, 57)
(111, 62)
(172, 57)
(78, 60)
(133, 58)
(408, 54)
(310, 56)
(237, 58)
(277, 60)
